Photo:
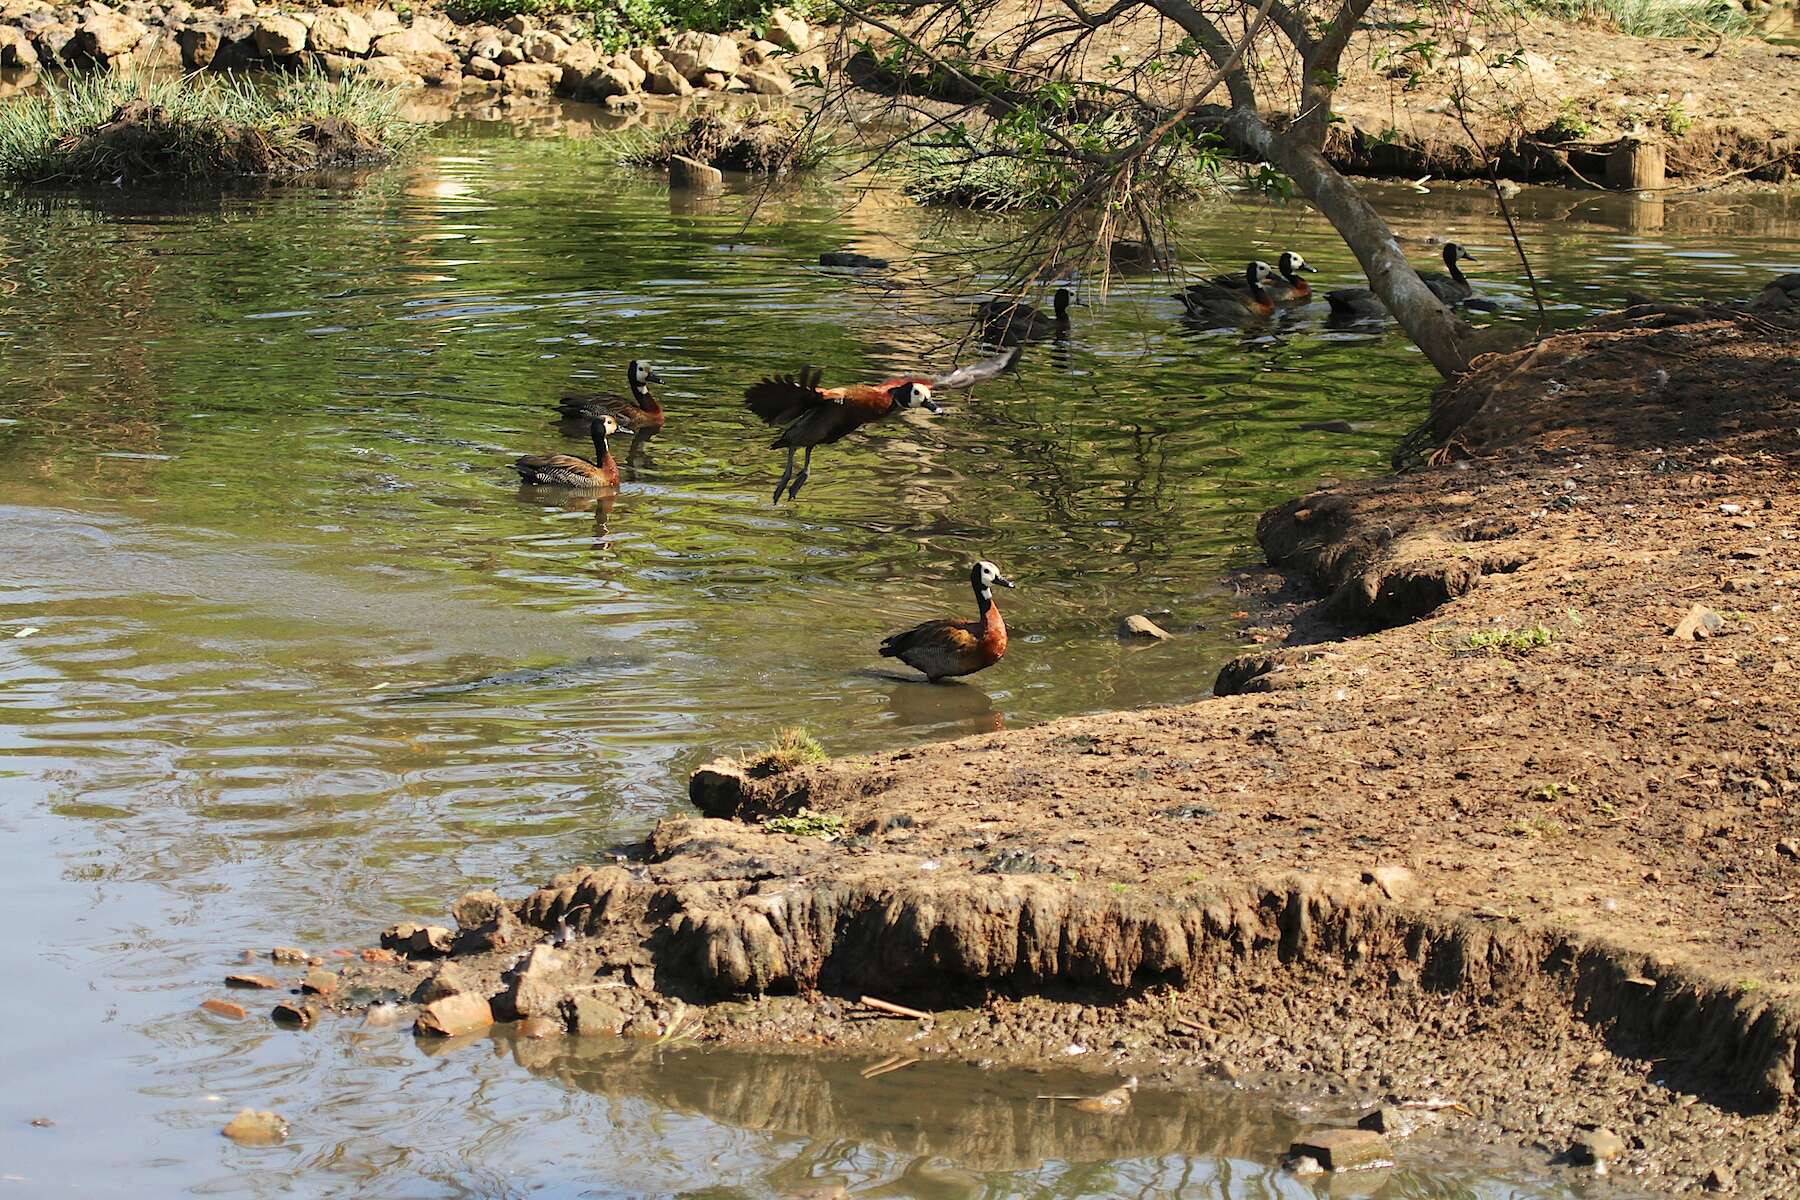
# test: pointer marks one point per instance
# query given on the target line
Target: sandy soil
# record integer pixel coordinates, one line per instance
(1549, 99)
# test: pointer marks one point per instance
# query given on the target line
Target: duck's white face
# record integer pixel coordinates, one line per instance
(915, 394)
(1264, 272)
(609, 425)
(987, 575)
(1293, 264)
(642, 373)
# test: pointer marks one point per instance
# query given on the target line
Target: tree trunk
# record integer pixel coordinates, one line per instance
(1431, 326)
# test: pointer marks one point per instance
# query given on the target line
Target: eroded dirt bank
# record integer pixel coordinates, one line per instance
(1529, 845)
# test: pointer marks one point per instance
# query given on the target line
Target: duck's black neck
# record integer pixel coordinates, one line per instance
(1062, 306)
(640, 392)
(600, 450)
(984, 599)
(1450, 261)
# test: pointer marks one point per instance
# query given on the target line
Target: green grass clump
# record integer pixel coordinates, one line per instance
(107, 127)
(767, 142)
(807, 823)
(618, 24)
(791, 749)
(1509, 641)
(1651, 18)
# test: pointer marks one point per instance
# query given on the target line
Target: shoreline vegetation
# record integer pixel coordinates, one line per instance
(108, 128)
(1498, 815)
(1550, 93)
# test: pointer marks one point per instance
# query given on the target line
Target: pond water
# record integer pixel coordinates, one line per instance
(285, 654)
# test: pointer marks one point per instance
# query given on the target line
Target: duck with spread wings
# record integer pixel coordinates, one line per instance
(812, 416)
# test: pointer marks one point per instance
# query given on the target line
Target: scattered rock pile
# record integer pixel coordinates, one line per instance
(522, 57)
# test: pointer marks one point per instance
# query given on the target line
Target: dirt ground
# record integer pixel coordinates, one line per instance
(1477, 817)
(1553, 98)
(1548, 99)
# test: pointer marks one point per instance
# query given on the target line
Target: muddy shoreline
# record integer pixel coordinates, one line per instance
(1527, 842)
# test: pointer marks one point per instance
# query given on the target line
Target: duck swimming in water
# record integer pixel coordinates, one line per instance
(566, 470)
(1289, 288)
(640, 412)
(816, 416)
(946, 648)
(1452, 289)
(1247, 300)
(1010, 322)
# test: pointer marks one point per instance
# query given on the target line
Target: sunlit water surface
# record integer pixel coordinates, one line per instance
(295, 656)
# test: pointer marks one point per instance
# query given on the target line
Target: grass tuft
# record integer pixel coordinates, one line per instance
(108, 127)
(1651, 18)
(764, 142)
(1509, 641)
(618, 24)
(791, 749)
(807, 823)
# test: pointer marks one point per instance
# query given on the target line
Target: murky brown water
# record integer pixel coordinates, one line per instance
(303, 659)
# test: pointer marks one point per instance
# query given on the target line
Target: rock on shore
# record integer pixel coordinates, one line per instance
(524, 57)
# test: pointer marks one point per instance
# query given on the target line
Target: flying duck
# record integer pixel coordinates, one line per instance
(814, 416)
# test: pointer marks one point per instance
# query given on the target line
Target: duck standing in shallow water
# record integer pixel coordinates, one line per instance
(1290, 288)
(1010, 322)
(947, 648)
(1452, 289)
(640, 412)
(1247, 300)
(815, 416)
(566, 470)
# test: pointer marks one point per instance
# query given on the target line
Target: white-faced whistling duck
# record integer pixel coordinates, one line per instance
(1246, 301)
(942, 649)
(1452, 289)
(815, 416)
(1455, 287)
(565, 470)
(1290, 288)
(1012, 322)
(640, 412)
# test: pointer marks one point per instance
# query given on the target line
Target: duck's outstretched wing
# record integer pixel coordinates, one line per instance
(977, 372)
(781, 399)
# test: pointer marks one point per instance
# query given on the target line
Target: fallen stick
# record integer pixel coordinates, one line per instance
(897, 1010)
(895, 1064)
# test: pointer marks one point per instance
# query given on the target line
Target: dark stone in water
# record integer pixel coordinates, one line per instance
(849, 258)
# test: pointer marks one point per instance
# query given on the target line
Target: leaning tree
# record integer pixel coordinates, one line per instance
(1111, 104)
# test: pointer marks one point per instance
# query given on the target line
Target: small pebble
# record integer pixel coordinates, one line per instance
(252, 1128)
